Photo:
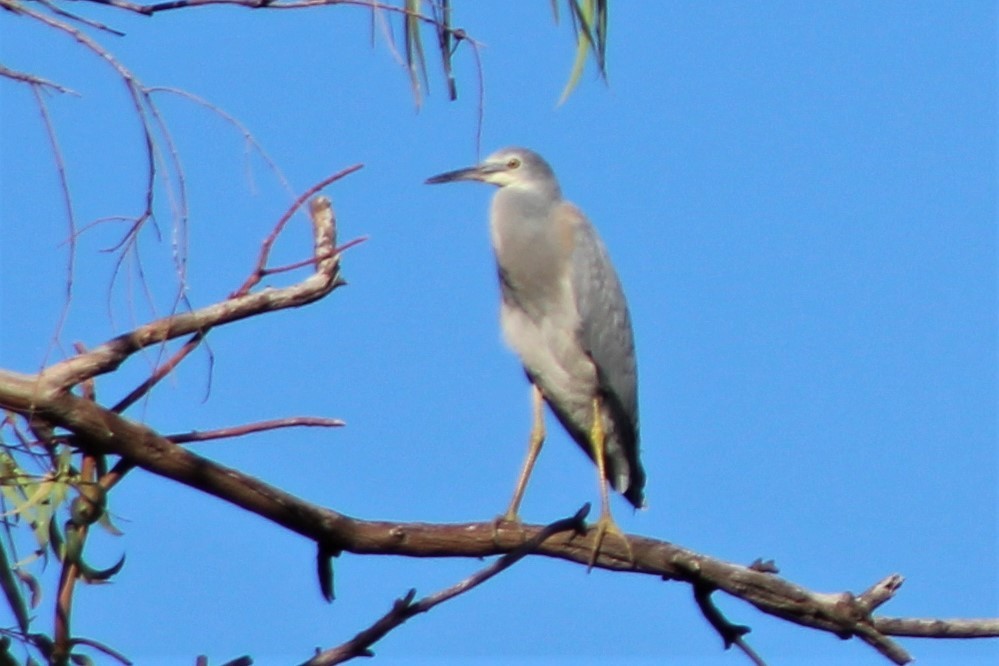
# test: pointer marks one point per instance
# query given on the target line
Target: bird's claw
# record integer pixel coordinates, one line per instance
(604, 525)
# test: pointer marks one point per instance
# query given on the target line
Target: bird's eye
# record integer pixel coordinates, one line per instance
(513, 163)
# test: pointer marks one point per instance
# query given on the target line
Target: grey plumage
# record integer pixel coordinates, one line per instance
(563, 310)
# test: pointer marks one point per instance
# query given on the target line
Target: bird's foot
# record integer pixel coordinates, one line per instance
(508, 519)
(604, 526)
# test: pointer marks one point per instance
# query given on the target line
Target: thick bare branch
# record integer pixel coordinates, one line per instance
(105, 432)
(404, 608)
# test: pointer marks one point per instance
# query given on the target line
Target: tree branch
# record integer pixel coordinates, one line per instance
(260, 426)
(404, 608)
(984, 627)
(33, 80)
(108, 356)
(103, 431)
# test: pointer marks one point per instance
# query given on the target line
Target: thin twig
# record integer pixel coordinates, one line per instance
(111, 354)
(310, 262)
(35, 81)
(403, 609)
(248, 137)
(259, 426)
(145, 110)
(265, 247)
(170, 5)
(59, 11)
(67, 201)
(160, 372)
(480, 77)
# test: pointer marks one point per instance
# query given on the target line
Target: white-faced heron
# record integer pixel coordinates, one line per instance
(563, 311)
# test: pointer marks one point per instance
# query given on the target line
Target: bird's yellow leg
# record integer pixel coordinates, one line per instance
(533, 449)
(605, 523)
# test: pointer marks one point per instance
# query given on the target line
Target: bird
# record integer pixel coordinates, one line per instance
(564, 313)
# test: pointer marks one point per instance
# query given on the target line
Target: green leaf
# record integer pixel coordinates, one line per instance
(55, 540)
(13, 592)
(92, 575)
(105, 522)
(589, 20)
(415, 58)
(443, 20)
(32, 584)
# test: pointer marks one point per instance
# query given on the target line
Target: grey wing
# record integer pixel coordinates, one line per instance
(605, 324)
(606, 333)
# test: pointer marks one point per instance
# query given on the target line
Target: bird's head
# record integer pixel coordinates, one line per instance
(509, 167)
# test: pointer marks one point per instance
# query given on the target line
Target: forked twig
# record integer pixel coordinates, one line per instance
(405, 608)
(265, 247)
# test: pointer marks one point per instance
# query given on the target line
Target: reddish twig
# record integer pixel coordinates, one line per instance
(133, 85)
(62, 638)
(67, 201)
(310, 262)
(259, 426)
(160, 372)
(265, 248)
(148, 115)
(111, 354)
(248, 137)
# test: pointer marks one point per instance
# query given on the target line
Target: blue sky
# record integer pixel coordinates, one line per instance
(800, 199)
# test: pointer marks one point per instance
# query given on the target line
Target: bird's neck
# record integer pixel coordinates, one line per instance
(526, 207)
(524, 236)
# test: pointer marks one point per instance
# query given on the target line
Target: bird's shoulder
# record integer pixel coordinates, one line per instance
(574, 231)
(604, 321)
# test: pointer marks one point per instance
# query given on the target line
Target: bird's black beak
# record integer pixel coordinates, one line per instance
(480, 172)
(470, 173)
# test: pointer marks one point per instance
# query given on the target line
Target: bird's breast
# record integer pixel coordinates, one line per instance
(539, 316)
